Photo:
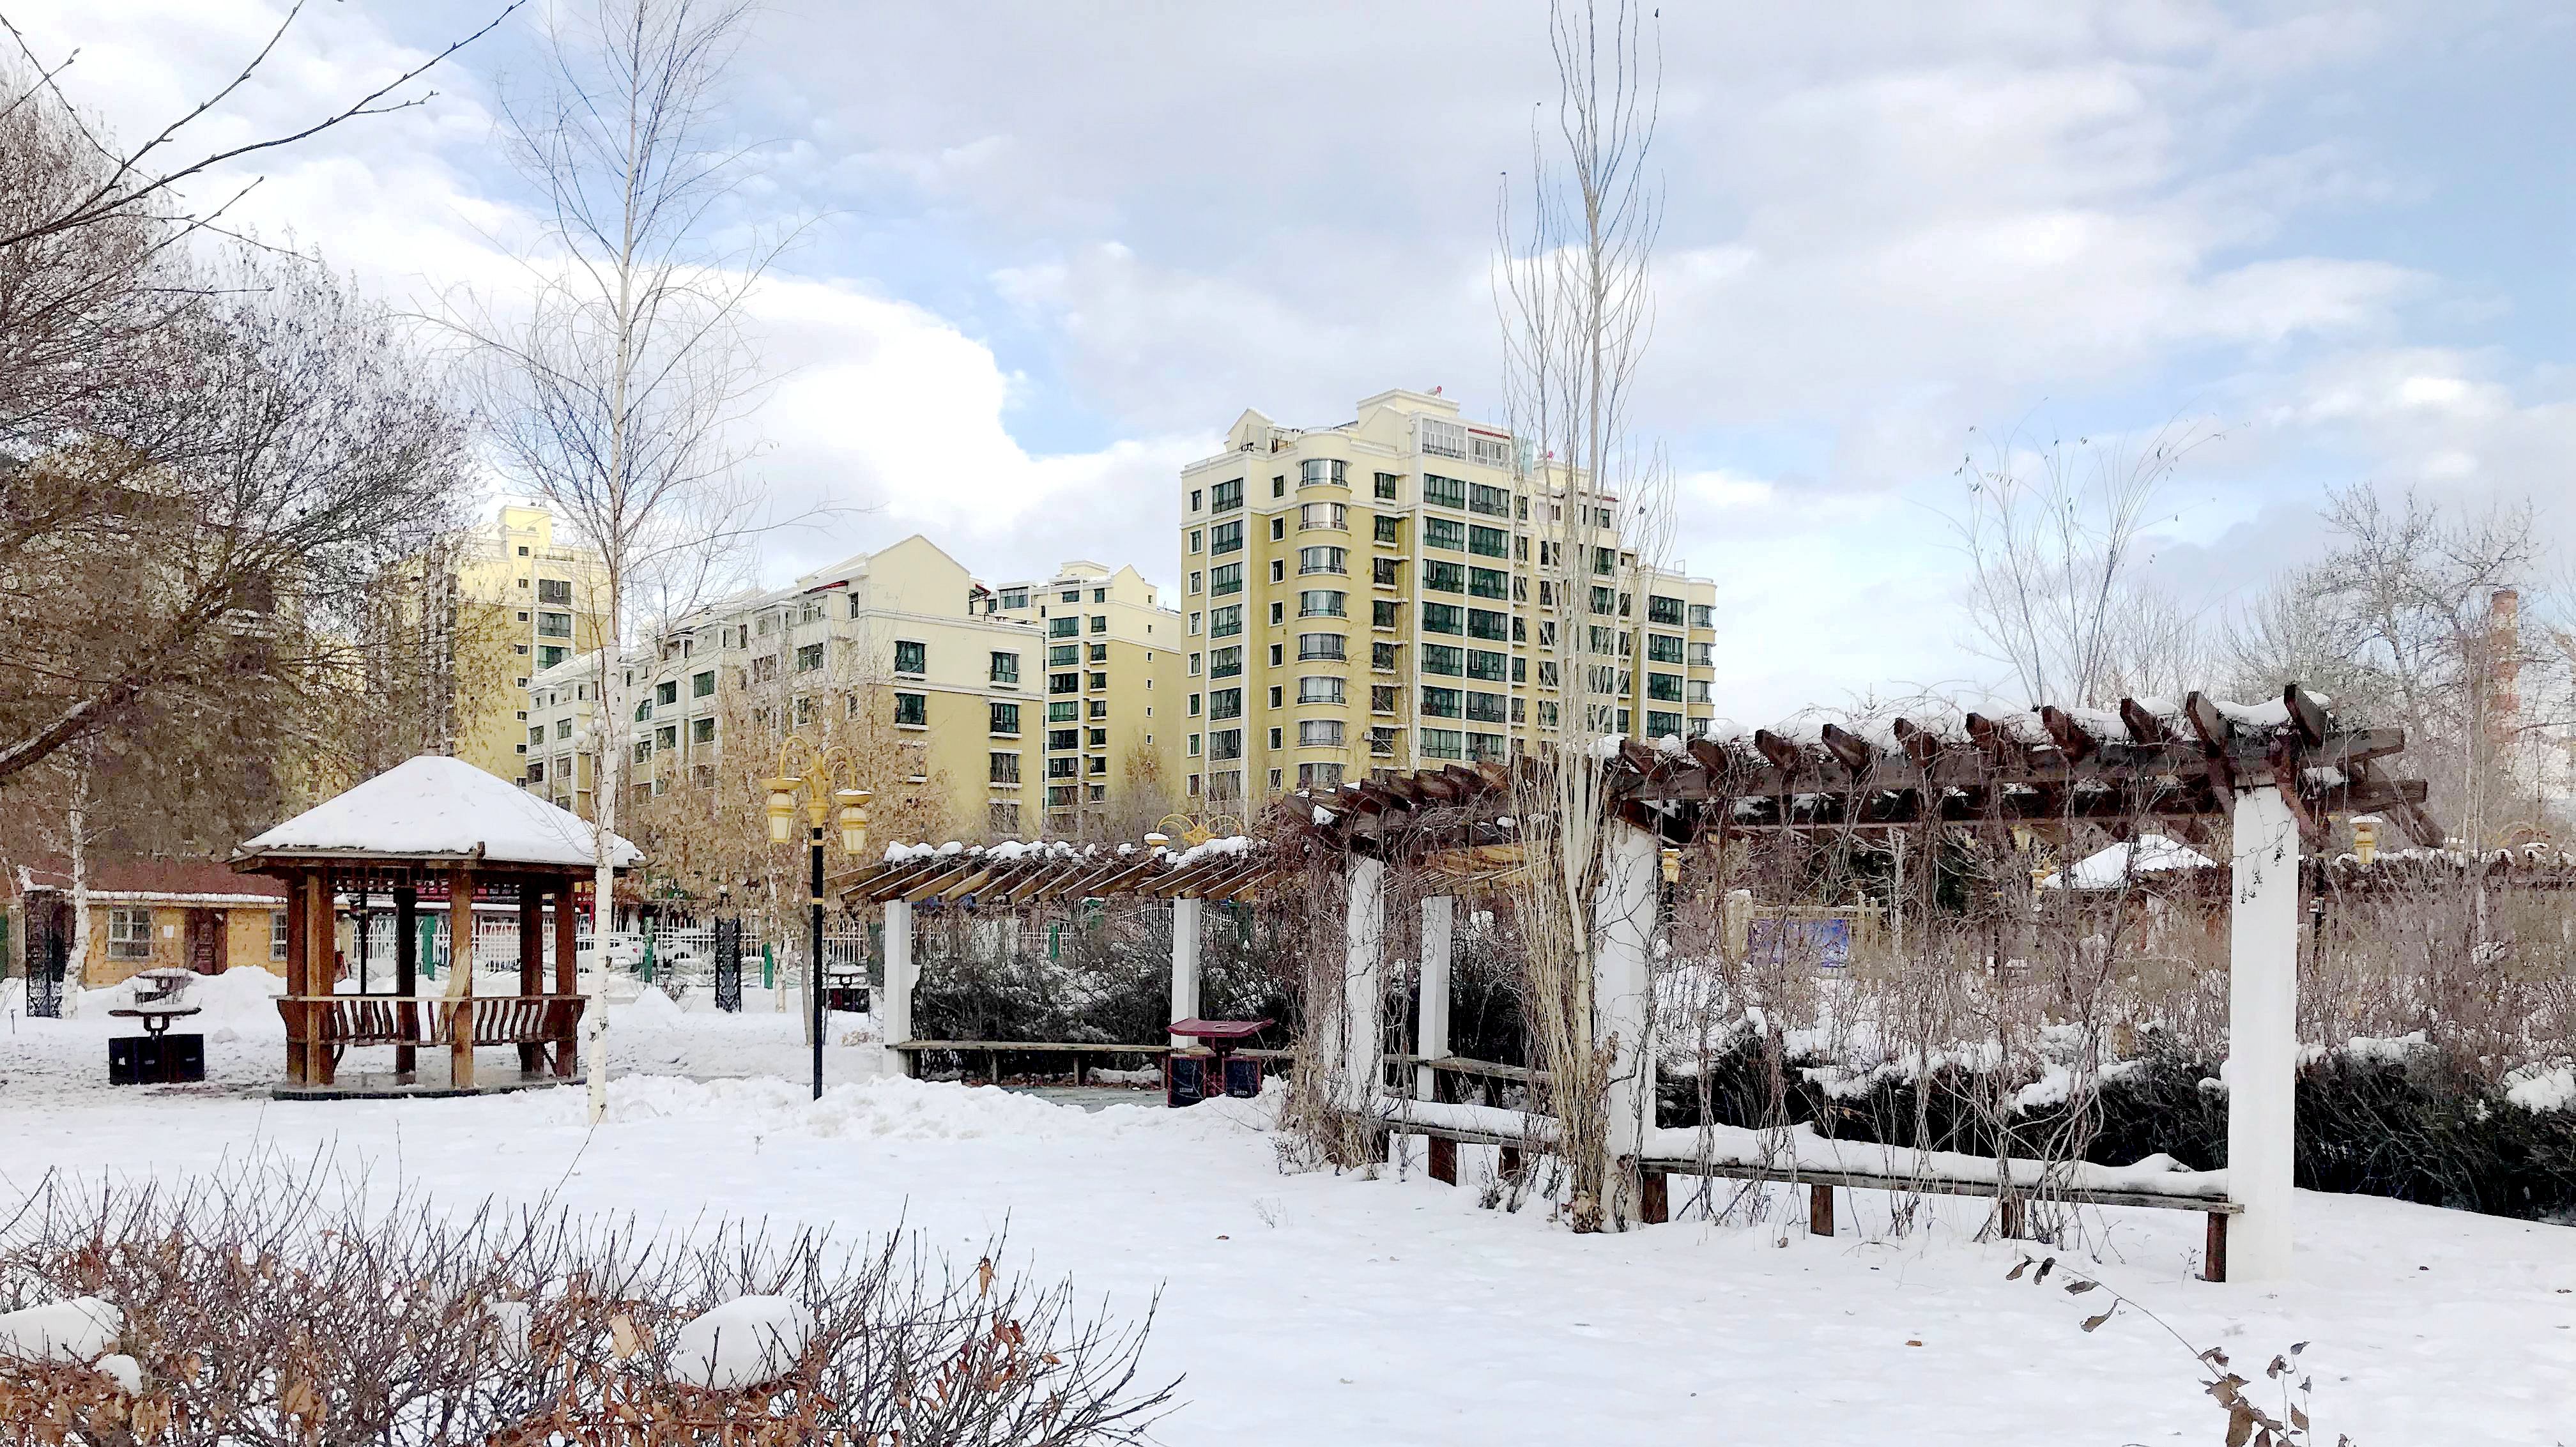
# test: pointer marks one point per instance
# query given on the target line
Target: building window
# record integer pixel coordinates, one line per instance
(1448, 534)
(1382, 742)
(1226, 580)
(129, 934)
(1487, 624)
(1226, 662)
(549, 655)
(1099, 622)
(1198, 539)
(1278, 527)
(1316, 688)
(277, 934)
(1486, 665)
(912, 709)
(667, 691)
(1384, 656)
(1321, 603)
(1443, 618)
(1485, 707)
(1064, 683)
(1663, 610)
(1441, 702)
(1323, 560)
(1384, 486)
(1322, 472)
(1488, 542)
(1387, 572)
(1006, 719)
(912, 658)
(1226, 538)
(557, 591)
(1382, 697)
(1225, 703)
(702, 685)
(1664, 687)
(1005, 768)
(1444, 659)
(1659, 724)
(1319, 776)
(1004, 816)
(1390, 530)
(1440, 577)
(1443, 744)
(1099, 680)
(1488, 583)
(1319, 733)
(1227, 494)
(1491, 501)
(1443, 491)
(1226, 622)
(809, 658)
(702, 730)
(1324, 516)
(1321, 645)
(554, 625)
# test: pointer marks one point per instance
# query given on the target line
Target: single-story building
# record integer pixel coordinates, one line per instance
(145, 914)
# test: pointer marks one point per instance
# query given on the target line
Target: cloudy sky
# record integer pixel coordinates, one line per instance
(1055, 249)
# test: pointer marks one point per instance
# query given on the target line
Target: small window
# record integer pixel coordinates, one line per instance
(702, 685)
(702, 731)
(1006, 719)
(809, 658)
(1006, 668)
(912, 710)
(277, 934)
(1005, 768)
(129, 934)
(912, 658)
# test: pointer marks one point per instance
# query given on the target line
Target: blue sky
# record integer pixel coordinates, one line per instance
(1059, 248)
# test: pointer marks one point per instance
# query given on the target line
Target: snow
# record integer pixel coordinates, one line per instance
(1325, 1306)
(125, 1371)
(1808, 1151)
(433, 805)
(2124, 862)
(61, 1331)
(2541, 1089)
(747, 1340)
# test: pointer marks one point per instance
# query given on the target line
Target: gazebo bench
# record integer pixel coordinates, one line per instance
(330, 1024)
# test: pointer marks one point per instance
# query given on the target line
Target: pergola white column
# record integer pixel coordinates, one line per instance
(1439, 926)
(2262, 1034)
(894, 1003)
(1623, 930)
(1185, 965)
(1363, 974)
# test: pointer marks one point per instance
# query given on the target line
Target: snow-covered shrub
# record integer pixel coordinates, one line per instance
(271, 1304)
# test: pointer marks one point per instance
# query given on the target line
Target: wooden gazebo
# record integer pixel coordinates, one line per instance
(437, 827)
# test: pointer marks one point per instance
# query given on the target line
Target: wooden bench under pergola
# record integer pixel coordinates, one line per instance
(433, 826)
(2275, 770)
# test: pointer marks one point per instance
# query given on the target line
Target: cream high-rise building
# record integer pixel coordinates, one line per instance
(1382, 594)
(951, 702)
(517, 602)
(1113, 696)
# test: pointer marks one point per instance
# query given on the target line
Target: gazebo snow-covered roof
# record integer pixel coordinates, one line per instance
(2127, 862)
(437, 809)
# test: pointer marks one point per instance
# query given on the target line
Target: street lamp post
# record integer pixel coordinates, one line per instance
(820, 799)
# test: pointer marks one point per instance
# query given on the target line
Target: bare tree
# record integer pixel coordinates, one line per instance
(1573, 287)
(2054, 538)
(120, 186)
(615, 385)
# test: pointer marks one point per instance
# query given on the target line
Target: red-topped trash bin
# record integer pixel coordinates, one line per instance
(1190, 1076)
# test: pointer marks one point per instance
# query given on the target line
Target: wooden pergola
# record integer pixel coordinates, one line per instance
(441, 827)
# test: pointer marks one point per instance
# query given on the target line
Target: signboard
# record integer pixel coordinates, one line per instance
(1825, 942)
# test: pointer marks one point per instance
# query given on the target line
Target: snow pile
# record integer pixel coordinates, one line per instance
(2122, 863)
(1802, 1148)
(61, 1331)
(746, 1341)
(2538, 1089)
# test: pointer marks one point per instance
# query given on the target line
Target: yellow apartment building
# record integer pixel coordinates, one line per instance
(1384, 594)
(1112, 745)
(516, 602)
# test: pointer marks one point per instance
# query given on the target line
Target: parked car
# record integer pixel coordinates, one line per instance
(625, 951)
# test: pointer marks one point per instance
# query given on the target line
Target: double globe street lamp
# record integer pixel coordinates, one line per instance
(822, 765)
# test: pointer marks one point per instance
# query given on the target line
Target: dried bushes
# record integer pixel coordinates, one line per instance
(270, 1305)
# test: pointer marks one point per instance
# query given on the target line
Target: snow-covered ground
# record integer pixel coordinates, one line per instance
(1315, 1308)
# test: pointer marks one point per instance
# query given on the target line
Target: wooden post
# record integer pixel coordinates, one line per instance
(1820, 1210)
(299, 1023)
(532, 959)
(1444, 1161)
(1654, 1198)
(1510, 1164)
(2015, 1225)
(321, 937)
(460, 1044)
(407, 965)
(2213, 1265)
(1439, 922)
(2262, 1032)
(1363, 965)
(894, 1015)
(1185, 965)
(1623, 921)
(567, 977)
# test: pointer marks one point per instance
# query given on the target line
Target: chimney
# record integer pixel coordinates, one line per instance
(2504, 664)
